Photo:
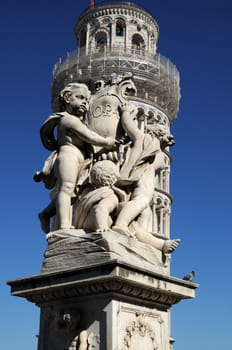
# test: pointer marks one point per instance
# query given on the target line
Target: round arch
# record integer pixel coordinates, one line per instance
(120, 26)
(101, 39)
(138, 43)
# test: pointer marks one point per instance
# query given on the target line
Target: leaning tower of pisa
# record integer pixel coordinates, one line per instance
(101, 289)
(121, 37)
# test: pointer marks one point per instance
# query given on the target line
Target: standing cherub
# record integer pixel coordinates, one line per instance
(70, 146)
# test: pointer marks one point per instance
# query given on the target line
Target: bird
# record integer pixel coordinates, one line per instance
(190, 276)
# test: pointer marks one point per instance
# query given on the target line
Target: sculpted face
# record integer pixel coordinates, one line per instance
(79, 100)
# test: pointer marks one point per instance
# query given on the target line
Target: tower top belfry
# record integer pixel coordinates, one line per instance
(128, 23)
(120, 37)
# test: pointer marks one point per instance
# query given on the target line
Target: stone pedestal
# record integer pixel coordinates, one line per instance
(105, 306)
(102, 291)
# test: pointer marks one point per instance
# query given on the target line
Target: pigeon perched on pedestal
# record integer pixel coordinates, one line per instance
(190, 276)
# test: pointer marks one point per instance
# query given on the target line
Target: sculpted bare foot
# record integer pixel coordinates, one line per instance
(170, 245)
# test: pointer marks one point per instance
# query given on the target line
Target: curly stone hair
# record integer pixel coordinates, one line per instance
(104, 173)
(68, 91)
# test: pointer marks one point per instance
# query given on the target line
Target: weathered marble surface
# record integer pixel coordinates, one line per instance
(97, 133)
(107, 306)
(68, 249)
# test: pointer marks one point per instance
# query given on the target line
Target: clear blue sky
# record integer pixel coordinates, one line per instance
(196, 36)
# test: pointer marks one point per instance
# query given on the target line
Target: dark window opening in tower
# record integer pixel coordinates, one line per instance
(158, 221)
(82, 38)
(101, 40)
(120, 25)
(138, 44)
(163, 180)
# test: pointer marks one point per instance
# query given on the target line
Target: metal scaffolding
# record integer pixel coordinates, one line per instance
(157, 74)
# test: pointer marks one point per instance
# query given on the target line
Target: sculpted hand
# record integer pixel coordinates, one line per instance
(127, 107)
(110, 142)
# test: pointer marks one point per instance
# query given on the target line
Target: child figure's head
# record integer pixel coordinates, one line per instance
(104, 173)
(75, 98)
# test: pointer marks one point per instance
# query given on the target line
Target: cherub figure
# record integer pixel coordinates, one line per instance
(102, 198)
(73, 139)
(99, 199)
(144, 161)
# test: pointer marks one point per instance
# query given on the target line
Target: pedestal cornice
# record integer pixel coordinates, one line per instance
(116, 279)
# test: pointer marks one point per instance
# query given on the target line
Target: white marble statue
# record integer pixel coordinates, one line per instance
(71, 146)
(97, 203)
(102, 200)
(102, 166)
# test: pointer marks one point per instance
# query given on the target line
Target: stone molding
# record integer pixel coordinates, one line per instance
(117, 280)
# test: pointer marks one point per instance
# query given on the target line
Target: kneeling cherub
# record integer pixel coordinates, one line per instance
(102, 200)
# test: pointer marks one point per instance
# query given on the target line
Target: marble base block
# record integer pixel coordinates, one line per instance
(106, 306)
